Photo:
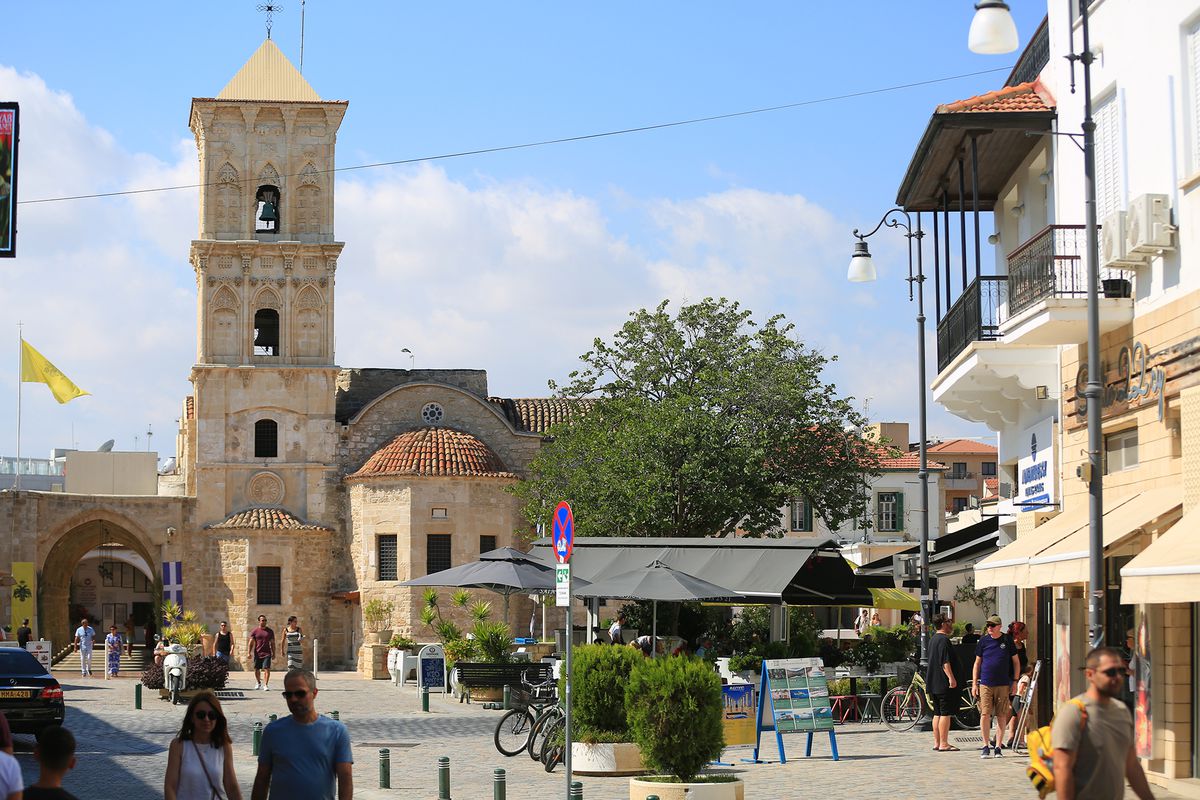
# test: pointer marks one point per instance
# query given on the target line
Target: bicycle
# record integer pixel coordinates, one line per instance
(905, 706)
(515, 729)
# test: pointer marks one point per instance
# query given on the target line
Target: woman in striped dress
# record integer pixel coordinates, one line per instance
(295, 651)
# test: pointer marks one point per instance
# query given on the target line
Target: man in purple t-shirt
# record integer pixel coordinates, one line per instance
(261, 646)
(996, 669)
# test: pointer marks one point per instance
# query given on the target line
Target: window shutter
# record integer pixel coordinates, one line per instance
(808, 516)
(1108, 158)
(899, 511)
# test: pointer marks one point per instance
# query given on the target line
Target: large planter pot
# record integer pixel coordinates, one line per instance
(640, 790)
(383, 636)
(606, 758)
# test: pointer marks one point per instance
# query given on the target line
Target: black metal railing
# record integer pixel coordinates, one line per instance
(1034, 59)
(1053, 264)
(974, 317)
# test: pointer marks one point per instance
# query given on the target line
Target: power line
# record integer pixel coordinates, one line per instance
(561, 140)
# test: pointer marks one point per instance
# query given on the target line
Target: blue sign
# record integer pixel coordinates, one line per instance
(562, 532)
(431, 670)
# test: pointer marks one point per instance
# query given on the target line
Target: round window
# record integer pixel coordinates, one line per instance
(432, 413)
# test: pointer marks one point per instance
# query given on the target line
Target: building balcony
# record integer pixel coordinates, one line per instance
(961, 483)
(1047, 291)
(974, 317)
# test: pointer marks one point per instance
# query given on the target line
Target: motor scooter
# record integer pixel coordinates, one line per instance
(175, 671)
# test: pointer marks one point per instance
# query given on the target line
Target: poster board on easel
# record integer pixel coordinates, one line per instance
(793, 697)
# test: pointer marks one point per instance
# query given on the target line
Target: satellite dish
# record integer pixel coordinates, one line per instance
(106, 447)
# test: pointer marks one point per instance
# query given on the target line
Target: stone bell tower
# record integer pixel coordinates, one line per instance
(265, 262)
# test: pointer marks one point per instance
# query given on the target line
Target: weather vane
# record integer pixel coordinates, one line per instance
(269, 9)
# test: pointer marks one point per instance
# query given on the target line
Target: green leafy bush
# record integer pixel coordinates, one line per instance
(673, 707)
(494, 642)
(895, 644)
(599, 674)
(867, 654)
(203, 672)
(743, 662)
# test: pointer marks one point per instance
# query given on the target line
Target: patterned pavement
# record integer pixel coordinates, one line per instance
(122, 751)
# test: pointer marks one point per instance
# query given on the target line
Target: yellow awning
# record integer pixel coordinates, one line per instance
(894, 598)
(1009, 566)
(1067, 561)
(1168, 571)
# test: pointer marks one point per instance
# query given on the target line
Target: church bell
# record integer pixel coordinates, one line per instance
(268, 212)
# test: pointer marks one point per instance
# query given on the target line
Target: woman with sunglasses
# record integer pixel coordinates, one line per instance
(200, 761)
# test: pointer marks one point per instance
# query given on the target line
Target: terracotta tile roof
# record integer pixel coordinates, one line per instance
(440, 452)
(269, 519)
(1032, 96)
(537, 414)
(906, 461)
(962, 447)
(992, 484)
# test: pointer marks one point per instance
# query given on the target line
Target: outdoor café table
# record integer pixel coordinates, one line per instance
(881, 677)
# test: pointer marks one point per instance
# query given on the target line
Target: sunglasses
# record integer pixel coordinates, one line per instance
(206, 715)
(993, 624)
(1113, 672)
(298, 694)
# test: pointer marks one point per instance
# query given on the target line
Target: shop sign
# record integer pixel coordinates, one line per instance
(1036, 471)
(1139, 379)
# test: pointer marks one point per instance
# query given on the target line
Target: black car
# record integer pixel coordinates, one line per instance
(30, 697)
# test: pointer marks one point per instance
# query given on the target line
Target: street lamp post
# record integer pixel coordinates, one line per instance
(992, 30)
(862, 269)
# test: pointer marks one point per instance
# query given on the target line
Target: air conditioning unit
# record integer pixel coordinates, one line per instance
(1113, 249)
(1148, 228)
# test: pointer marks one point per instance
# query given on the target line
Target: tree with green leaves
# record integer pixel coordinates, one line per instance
(703, 423)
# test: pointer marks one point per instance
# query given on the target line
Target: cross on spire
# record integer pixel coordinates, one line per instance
(269, 9)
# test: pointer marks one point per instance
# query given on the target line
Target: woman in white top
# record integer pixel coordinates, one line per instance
(200, 761)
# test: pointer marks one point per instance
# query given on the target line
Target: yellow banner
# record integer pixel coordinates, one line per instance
(36, 369)
(24, 593)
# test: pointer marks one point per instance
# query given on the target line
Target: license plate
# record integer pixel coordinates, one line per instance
(14, 693)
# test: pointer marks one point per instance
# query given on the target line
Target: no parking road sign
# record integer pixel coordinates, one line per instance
(562, 532)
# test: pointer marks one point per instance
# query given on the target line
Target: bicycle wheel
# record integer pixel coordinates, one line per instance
(512, 731)
(902, 708)
(537, 734)
(553, 736)
(967, 715)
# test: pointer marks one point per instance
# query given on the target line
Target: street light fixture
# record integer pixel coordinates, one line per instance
(993, 31)
(862, 269)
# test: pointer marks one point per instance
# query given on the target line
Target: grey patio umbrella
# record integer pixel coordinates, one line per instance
(655, 582)
(506, 571)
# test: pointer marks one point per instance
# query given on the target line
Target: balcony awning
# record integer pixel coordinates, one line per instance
(1067, 561)
(1009, 566)
(1168, 571)
(1000, 120)
(894, 598)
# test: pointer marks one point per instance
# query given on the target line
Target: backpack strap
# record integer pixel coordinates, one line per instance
(1083, 715)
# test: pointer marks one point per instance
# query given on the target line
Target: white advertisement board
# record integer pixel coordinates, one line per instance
(1037, 468)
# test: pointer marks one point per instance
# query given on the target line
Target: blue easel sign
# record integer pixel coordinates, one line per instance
(793, 697)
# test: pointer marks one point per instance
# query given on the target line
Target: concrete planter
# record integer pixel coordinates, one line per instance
(607, 758)
(640, 790)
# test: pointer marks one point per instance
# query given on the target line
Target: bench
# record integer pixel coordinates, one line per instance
(484, 675)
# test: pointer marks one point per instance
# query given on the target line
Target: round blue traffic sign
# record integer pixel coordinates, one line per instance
(562, 532)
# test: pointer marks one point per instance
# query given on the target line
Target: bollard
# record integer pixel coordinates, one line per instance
(498, 785)
(385, 768)
(424, 698)
(272, 717)
(651, 797)
(258, 728)
(507, 697)
(576, 791)
(443, 778)
(137, 695)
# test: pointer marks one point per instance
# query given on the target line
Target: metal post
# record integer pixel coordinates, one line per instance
(923, 471)
(975, 194)
(137, 695)
(258, 728)
(443, 778)
(567, 699)
(498, 785)
(1093, 392)
(507, 697)
(424, 698)
(576, 791)
(385, 768)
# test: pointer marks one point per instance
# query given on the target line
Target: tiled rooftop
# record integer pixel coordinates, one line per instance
(537, 414)
(437, 452)
(1032, 96)
(962, 447)
(907, 461)
(267, 518)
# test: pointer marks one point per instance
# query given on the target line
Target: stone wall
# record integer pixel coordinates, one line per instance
(358, 387)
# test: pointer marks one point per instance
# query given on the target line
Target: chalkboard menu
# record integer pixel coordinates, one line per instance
(431, 669)
(798, 698)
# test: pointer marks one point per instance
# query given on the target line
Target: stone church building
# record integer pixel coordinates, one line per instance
(307, 488)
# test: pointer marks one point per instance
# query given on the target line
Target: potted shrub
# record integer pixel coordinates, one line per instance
(746, 666)
(377, 614)
(203, 672)
(866, 657)
(402, 643)
(673, 708)
(602, 743)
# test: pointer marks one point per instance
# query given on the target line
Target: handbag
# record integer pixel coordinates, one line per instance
(216, 795)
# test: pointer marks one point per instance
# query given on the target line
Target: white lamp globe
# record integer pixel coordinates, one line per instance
(993, 31)
(862, 268)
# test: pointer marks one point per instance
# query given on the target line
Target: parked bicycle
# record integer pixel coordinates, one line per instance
(905, 706)
(514, 731)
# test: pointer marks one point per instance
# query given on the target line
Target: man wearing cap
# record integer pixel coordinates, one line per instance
(996, 664)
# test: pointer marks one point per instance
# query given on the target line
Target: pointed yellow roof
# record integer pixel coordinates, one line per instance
(268, 75)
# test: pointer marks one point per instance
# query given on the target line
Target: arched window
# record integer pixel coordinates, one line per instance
(266, 439)
(266, 332)
(266, 212)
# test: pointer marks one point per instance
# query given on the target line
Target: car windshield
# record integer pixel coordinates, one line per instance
(18, 662)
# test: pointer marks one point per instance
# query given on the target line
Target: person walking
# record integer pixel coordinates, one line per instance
(1094, 753)
(200, 759)
(969, 634)
(1019, 633)
(112, 652)
(292, 647)
(302, 755)
(85, 638)
(996, 666)
(55, 755)
(941, 684)
(616, 631)
(261, 645)
(223, 644)
(129, 635)
(24, 634)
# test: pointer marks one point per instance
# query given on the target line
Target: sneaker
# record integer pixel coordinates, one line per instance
(986, 752)
(257, 686)
(998, 752)
(266, 688)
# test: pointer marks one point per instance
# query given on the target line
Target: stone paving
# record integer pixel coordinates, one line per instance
(122, 751)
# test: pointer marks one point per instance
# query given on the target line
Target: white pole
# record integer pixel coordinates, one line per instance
(654, 631)
(314, 669)
(20, 364)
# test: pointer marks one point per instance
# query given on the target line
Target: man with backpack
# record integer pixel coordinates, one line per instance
(995, 675)
(1093, 737)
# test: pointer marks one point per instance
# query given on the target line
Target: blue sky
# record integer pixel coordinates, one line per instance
(510, 261)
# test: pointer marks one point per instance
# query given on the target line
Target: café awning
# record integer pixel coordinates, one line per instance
(1009, 566)
(1168, 571)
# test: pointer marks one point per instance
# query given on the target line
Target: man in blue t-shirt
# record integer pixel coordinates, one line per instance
(995, 673)
(302, 754)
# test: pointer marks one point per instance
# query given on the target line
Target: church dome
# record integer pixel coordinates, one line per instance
(435, 452)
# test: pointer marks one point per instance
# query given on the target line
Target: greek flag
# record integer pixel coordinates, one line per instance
(173, 581)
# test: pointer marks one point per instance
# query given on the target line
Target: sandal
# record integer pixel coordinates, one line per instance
(949, 749)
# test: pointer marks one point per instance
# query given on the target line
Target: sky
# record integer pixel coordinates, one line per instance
(511, 262)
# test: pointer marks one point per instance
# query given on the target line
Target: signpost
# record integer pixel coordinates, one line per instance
(562, 534)
(431, 669)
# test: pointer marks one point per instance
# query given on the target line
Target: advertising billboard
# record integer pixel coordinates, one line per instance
(1037, 470)
(10, 116)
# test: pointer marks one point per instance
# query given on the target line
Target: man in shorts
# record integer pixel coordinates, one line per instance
(995, 672)
(941, 683)
(261, 645)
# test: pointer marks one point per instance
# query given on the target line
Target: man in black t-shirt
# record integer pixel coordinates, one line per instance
(223, 646)
(941, 684)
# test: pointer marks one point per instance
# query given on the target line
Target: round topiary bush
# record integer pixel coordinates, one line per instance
(599, 674)
(673, 708)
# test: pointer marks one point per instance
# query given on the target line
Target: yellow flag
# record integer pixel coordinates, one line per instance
(36, 369)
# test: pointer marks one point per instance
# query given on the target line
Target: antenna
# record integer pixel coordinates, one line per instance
(302, 36)
(149, 434)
